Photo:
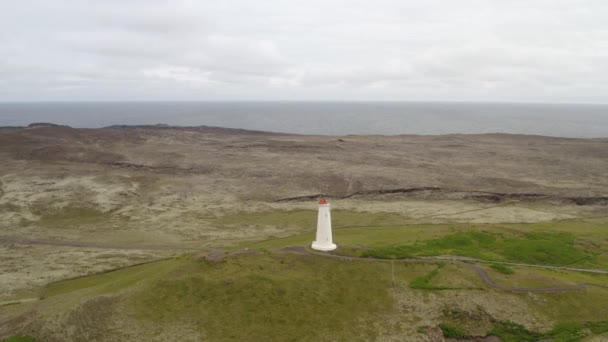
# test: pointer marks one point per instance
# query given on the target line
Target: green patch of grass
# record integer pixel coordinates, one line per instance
(579, 242)
(566, 332)
(70, 216)
(451, 331)
(111, 282)
(548, 248)
(291, 297)
(543, 248)
(597, 327)
(513, 332)
(265, 297)
(502, 269)
(423, 282)
(19, 339)
(390, 252)
(577, 331)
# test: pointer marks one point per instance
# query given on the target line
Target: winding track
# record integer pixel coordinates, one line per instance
(303, 250)
(486, 279)
(480, 271)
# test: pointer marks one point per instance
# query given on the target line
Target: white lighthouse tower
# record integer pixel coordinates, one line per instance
(323, 242)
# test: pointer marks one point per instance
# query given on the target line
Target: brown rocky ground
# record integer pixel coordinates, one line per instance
(273, 166)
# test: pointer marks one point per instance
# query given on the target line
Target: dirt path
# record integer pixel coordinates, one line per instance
(19, 301)
(566, 268)
(486, 279)
(480, 271)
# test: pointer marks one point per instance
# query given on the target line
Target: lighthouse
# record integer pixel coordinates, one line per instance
(323, 241)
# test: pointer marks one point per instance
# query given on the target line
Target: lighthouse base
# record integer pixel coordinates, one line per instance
(323, 246)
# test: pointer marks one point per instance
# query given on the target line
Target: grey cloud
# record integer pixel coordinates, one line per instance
(336, 49)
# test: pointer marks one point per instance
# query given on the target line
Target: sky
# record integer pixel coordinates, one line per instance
(380, 50)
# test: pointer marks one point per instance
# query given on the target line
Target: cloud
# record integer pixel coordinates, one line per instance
(345, 75)
(479, 50)
(178, 74)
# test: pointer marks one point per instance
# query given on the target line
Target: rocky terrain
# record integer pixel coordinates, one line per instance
(269, 166)
(194, 187)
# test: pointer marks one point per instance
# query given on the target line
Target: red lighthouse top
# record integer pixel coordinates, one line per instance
(322, 201)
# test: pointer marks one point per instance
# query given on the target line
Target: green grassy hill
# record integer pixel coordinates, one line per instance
(283, 297)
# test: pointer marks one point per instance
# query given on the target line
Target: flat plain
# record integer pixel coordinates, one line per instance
(205, 218)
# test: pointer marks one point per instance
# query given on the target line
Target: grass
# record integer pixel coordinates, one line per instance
(536, 277)
(451, 331)
(563, 332)
(19, 339)
(575, 277)
(451, 275)
(370, 236)
(271, 298)
(597, 327)
(111, 282)
(513, 332)
(577, 242)
(502, 269)
(547, 248)
(70, 216)
(290, 297)
(423, 282)
(573, 306)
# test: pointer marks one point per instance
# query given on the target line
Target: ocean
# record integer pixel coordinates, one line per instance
(327, 118)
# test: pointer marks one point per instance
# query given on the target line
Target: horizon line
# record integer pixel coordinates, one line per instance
(313, 101)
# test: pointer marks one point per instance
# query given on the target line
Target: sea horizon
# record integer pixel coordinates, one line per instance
(324, 117)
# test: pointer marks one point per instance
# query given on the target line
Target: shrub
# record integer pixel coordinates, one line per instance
(19, 339)
(563, 332)
(597, 327)
(451, 331)
(567, 332)
(513, 332)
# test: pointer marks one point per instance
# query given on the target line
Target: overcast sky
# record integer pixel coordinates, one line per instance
(465, 50)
